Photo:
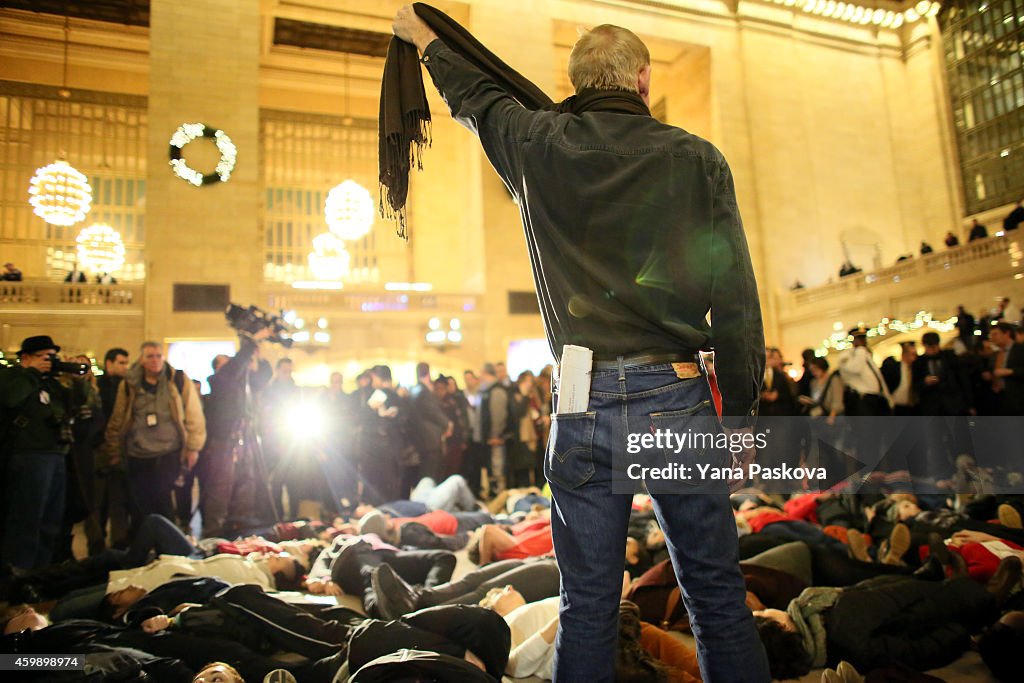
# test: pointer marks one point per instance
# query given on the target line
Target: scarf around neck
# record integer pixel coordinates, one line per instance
(404, 120)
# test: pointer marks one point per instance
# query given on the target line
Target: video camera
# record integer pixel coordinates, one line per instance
(252, 320)
(58, 366)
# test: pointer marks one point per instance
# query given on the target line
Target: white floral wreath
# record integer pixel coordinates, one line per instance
(186, 133)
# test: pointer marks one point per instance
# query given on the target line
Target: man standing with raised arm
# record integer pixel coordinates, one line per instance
(634, 235)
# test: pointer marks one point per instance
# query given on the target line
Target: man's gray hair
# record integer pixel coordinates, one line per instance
(150, 345)
(607, 57)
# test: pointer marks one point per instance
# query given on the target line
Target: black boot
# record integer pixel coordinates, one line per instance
(394, 596)
(1006, 578)
(952, 563)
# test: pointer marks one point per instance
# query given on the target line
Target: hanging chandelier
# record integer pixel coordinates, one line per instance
(329, 260)
(349, 210)
(100, 248)
(59, 193)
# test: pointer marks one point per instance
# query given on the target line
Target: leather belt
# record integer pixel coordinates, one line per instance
(641, 359)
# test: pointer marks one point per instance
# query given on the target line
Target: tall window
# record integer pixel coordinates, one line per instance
(304, 156)
(104, 137)
(984, 48)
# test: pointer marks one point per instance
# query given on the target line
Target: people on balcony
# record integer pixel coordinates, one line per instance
(978, 231)
(75, 275)
(952, 240)
(848, 269)
(11, 273)
(1014, 218)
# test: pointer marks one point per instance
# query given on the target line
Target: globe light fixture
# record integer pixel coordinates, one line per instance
(100, 248)
(329, 260)
(60, 194)
(349, 210)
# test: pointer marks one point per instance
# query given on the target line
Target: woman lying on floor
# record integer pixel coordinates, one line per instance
(156, 538)
(884, 621)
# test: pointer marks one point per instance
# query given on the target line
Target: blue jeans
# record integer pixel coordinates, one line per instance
(806, 532)
(156, 535)
(36, 483)
(452, 494)
(589, 522)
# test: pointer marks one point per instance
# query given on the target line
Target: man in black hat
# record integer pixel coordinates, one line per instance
(36, 432)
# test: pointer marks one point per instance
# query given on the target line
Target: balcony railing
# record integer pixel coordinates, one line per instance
(282, 297)
(972, 255)
(56, 295)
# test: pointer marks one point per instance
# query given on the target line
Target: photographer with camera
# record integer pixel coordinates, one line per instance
(157, 428)
(227, 467)
(38, 413)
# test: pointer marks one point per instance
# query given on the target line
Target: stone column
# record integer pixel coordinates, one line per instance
(204, 68)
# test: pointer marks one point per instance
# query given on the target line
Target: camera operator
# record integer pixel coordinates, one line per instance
(226, 466)
(38, 414)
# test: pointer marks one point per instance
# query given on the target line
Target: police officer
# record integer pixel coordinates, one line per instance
(38, 413)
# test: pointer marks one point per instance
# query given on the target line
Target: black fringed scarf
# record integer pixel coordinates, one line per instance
(404, 126)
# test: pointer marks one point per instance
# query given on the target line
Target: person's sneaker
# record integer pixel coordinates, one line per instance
(394, 596)
(848, 674)
(1006, 578)
(830, 676)
(899, 544)
(279, 676)
(1009, 517)
(858, 545)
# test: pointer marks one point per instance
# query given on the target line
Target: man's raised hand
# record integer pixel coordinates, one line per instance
(410, 28)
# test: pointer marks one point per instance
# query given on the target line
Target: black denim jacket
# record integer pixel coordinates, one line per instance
(632, 227)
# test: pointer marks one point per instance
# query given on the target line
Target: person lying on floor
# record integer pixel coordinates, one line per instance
(248, 615)
(472, 634)
(156, 538)
(529, 538)
(524, 499)
(1001, 644)
(775, 577)
(451, 495)
(535, 579)
(533, 626)
(1007, 508)
(882, 621)
(943, 521)
(436, 530)
(647, 542)
(983, 552)
(115, 650)
(767, 521)
(244, 627)
(346, 567)
(124, 587)
(833, 508)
